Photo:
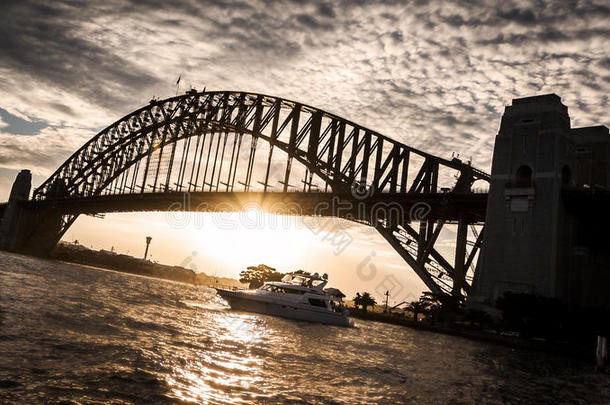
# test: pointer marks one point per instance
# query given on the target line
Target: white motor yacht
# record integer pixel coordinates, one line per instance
(298, 296)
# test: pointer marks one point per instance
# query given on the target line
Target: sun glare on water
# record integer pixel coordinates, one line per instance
(215, 375)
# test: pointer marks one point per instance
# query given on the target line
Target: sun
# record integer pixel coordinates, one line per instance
(239, 240)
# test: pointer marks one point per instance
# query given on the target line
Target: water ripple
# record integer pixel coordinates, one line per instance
(80, 335)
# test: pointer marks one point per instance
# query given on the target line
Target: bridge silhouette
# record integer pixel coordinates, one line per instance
(225, 150)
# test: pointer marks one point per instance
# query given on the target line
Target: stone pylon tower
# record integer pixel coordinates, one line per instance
(526, 246)
(12, 220)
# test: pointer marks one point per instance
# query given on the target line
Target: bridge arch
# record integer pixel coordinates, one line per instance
(337, 151)
(224, 141)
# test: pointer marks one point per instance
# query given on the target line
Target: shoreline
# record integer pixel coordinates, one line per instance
(556, 348)
(109, 260)
(100, 268)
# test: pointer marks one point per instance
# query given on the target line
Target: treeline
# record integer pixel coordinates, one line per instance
(536, 316)
(526, 315)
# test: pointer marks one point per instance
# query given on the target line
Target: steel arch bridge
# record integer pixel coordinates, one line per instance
(219, 146)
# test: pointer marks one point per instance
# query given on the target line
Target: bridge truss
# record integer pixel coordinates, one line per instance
(209, 143)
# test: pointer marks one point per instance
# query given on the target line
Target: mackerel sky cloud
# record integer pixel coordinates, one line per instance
(435, 75)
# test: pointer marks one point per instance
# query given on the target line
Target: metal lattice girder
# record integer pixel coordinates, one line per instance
(433, 269)
(419, 268)
(338, 152)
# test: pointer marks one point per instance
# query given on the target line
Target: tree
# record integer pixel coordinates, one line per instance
(256, 276)
(533, 315)
(418, 307)
(442, 308)
(357, 300)
(445, 302)
(365, 300)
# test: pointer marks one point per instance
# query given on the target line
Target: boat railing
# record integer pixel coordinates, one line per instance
(228, 287)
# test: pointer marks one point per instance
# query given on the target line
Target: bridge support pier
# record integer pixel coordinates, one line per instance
(12, 226)
(42, 231)
(25, 229)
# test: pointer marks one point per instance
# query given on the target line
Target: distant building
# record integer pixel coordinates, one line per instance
(532, 242)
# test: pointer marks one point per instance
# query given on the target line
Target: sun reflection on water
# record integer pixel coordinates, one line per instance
(228, 374)
(126, 339)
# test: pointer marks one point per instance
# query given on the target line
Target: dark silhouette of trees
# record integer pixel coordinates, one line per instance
(443, 302)
(477, 318)
(256, 276)
(533, 315)
(364, 300)
(418, 307)
(438, 308)
(357, 300)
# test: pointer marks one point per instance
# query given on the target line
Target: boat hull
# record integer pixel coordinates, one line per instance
(251, 303)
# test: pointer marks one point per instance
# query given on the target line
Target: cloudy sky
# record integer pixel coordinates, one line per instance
(435, 75)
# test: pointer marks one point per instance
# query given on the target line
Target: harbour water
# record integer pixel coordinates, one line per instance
(79, 335)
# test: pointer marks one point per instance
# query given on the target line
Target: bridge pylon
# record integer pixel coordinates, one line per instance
(534, 244)
(13, 218)
(27, 229)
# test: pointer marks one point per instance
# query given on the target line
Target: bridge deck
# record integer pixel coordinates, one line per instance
(448, 206)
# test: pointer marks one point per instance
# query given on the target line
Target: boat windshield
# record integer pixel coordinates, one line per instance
(299, 280)
(281, 290)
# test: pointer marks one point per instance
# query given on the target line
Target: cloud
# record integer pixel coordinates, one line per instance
(40, 153)
(435, 75)
(326, 10)
(5, 188)
(50, 48)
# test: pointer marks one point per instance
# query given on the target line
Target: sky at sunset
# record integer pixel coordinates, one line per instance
(435, 75)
